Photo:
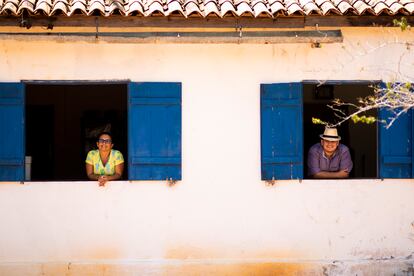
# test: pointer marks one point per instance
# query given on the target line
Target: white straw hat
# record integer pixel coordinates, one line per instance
(330, 134)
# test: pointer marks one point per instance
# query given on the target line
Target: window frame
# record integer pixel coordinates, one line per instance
(24, 83)
(380, 156)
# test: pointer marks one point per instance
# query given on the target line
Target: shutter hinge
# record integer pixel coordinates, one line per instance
(170, 181)
(271, 182)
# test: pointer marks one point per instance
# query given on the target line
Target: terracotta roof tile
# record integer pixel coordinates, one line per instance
(192, 8)
(379, 7)
(394, 6)
(154, 7)
(96, 6)
(26, 5)
(260, 8)
(174, 7)
(310, 7)
(57, 7)
(77, 6)
(211, 8)
(294, 8)
(362, 7)
(228, 8)
(134, 7)
(409, 8)
(44, 7)
(328, 7)
(207, 8)
(244, 9)
(277, 7)
(344, 6)
(9, 8)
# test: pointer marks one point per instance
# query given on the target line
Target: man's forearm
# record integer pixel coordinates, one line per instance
(324, 174)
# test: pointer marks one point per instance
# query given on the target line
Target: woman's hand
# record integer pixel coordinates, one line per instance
(102, 180)
(118, 175)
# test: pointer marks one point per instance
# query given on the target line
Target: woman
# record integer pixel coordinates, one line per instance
(104, 164)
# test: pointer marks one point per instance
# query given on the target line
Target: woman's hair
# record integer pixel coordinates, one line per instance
(104, 133)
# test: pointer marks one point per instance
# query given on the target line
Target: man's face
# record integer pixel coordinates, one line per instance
(329, 147)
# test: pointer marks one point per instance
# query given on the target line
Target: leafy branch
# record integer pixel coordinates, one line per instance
(397, 98)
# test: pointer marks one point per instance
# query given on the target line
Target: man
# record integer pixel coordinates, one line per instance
(329, 158)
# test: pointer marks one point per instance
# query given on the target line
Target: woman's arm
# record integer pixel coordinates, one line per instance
(89, 172)
(119, 169)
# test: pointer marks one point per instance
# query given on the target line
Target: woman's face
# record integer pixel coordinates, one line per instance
(104, 143)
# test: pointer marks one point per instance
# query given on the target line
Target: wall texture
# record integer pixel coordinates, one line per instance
(220, 219)
(230, 224)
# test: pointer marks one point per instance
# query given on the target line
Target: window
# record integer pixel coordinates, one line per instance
(62, 122)
(56, 124)
(361, 139)
(287, 132)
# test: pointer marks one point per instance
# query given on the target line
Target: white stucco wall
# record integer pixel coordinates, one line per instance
(220, 210)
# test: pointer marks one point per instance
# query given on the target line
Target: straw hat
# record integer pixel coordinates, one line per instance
(330, 134)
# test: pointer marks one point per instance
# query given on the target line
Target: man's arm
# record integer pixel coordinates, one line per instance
(346, 160)
(313, 162)
(324, 174)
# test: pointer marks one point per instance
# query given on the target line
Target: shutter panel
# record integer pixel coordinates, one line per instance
(396, 146)
(12, 132)
(281, 131)
(154, 131)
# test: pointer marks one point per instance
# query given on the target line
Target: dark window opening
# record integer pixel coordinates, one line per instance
(62, 122)
(360, 138)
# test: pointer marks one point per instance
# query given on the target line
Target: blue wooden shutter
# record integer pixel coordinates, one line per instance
(281, 131)
(396, 146)
(154, 127)
(12, 132)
